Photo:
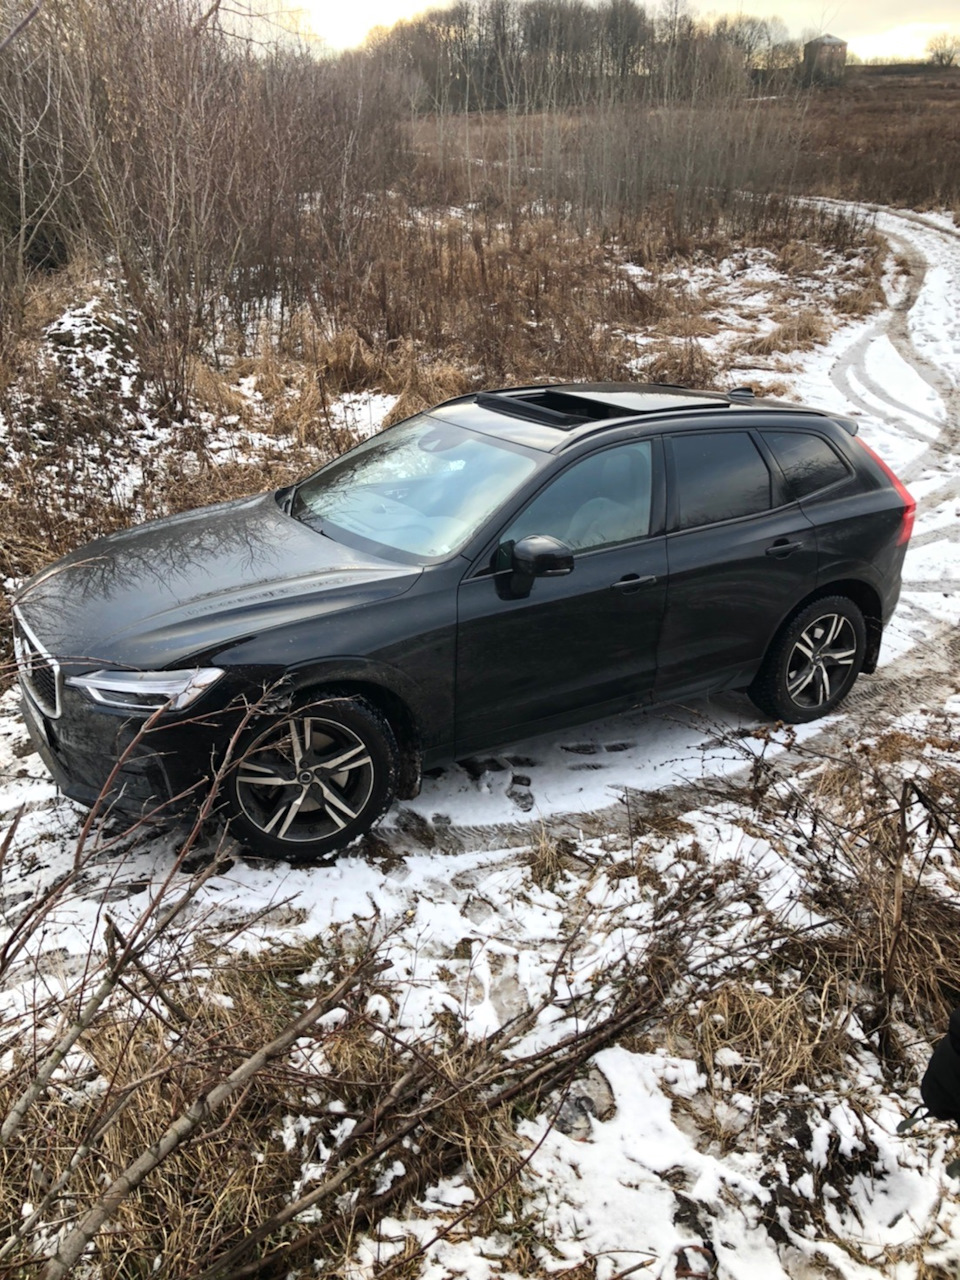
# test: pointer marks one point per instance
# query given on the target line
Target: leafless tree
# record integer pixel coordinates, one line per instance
(943, 48)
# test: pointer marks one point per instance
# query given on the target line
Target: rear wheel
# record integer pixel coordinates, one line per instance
(307, 782)
(812, 664)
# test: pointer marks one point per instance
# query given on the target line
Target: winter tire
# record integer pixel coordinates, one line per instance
(814, 660)
(309, 781)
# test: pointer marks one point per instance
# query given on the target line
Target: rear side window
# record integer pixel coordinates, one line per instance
(807, 462)
(719, 476)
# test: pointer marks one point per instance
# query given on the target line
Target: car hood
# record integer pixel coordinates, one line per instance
(163, 592)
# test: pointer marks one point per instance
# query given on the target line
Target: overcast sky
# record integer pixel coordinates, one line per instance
(871, 27)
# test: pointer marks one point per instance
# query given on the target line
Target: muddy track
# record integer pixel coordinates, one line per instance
(924, 676)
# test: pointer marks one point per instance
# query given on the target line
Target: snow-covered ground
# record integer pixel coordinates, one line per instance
(475, 932)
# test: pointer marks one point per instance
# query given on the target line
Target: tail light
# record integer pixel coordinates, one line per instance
(909, 502)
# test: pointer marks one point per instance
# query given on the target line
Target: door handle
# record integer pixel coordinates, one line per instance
(631, 582)
(782, 548)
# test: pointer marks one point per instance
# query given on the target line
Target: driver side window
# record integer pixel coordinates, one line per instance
(600, 501)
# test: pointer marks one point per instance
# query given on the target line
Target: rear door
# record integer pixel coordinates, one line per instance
(741, 554)
(857, 516)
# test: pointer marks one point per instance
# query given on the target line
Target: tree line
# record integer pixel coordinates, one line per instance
(535, 54)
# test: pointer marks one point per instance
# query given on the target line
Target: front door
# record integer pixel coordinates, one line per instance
(579, 645)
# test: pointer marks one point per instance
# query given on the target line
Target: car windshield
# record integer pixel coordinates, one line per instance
(422, 488)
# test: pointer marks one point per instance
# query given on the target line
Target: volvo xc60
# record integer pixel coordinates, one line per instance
(505, 563)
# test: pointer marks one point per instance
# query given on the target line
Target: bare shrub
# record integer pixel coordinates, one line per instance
(186, 155)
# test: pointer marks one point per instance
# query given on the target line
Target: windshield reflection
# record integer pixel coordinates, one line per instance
(422, 488)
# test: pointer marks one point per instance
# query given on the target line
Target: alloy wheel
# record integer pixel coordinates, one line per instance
(305, 779)
(821, 660)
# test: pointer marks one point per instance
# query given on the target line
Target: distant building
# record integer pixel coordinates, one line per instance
(824, 60)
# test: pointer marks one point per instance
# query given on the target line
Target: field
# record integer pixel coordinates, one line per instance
(650, 998)
(887, 134)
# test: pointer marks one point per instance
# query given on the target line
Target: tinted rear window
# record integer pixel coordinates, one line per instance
(719, 476)
(807, 462)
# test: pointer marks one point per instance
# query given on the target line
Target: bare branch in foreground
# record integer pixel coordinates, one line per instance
(529, 1078)
(183, 1128)
(14, 1117)
(21, 25)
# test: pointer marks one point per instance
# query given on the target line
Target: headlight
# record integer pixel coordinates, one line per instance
(147, 690)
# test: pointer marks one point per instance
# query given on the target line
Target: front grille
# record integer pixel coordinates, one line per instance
(39, 670)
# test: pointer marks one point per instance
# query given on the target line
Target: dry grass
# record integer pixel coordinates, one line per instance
(546, 860)
(685, 364)
(345, 361)
(157, 1055)
(886, 136)
(26, 311)
(875, 835)
(861, 301)
(688, 324)
(799, 257)
(484, 301)
(773, 390)
(797, 333)
(212, 393)
(776, 1039)
(187, 486)
(418, 383)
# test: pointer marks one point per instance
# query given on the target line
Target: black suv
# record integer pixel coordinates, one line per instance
(506, 563)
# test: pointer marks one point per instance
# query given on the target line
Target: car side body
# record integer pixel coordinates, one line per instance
(751, 510)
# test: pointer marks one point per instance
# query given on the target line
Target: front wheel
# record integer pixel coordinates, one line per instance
(812, 664)
(307, 782)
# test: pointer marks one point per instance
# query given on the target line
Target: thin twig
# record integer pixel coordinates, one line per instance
(24, 22)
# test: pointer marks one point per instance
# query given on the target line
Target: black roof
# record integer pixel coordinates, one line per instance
(552, 416)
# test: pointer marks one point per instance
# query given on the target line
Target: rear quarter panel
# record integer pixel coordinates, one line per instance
(858, 530)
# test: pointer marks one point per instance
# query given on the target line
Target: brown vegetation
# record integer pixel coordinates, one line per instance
(799, 333)
(172, 1117)
(890, 138)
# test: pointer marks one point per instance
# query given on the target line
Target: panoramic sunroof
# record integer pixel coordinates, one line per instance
(565, 408)
(652, 401)
(562, 412)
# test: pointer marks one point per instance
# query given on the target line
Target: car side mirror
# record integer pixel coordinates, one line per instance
(536, 556)
(539, 556)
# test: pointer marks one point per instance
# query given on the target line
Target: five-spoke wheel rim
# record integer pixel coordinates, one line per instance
(821, 661)
(305, 779)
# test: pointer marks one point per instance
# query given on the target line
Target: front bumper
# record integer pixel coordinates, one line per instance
(106, 756)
